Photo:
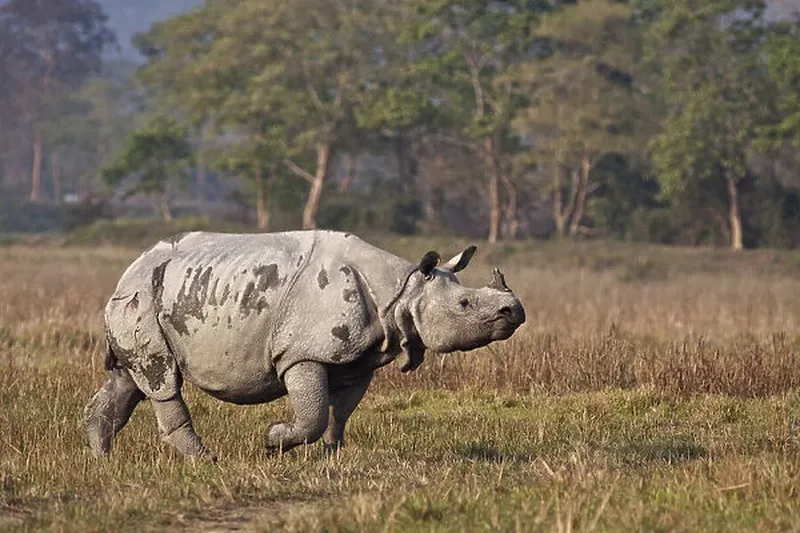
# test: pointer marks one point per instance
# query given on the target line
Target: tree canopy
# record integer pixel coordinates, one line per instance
(675, 121)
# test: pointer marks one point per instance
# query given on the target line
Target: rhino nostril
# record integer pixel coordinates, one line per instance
(512, 314)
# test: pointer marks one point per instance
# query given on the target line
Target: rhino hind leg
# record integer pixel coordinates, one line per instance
(109, 410)
(175, 426)
(139, 346)
(163, 388)
(307, 388)
(342, 404)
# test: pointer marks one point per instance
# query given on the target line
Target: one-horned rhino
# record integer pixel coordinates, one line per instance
(249, 318)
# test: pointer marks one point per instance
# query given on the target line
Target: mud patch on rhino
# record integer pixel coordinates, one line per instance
(322, 279)
(212, 297)
(155, 372)
(341, 332)
(191, 300)
(267, 277)
(345, 270)
(158, 284)
(349, 295)
(252, 300)
(226, 292)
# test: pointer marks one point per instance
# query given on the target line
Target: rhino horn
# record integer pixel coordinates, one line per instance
(498, 281)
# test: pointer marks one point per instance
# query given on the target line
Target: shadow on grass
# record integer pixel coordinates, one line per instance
(487, 451)
(672, 451)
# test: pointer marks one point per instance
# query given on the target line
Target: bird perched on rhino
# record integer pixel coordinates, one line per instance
(249, 318)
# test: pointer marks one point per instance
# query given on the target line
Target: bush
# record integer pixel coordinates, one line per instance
(142, 232)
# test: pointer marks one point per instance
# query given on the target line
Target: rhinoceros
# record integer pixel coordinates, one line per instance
(249, 318)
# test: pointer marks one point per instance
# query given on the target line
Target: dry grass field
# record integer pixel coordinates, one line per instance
(652, 389)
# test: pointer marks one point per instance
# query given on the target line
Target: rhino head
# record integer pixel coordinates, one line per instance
(438, 313)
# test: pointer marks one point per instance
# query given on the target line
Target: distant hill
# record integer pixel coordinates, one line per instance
(129, 17)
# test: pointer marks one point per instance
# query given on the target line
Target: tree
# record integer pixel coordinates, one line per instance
(581, 103)
(783, 62)
(292, 97)
(467, 47)
(713, 84)
(155, 156)
(85, 127)
(50, 45)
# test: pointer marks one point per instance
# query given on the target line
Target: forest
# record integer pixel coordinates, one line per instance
(673, 122)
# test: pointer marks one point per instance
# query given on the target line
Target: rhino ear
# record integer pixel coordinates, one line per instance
(459, 262)
(428, 263)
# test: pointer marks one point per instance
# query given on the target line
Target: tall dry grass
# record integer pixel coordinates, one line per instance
(685, 321)
(514, 442)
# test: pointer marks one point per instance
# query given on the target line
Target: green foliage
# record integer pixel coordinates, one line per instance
(558, 104)
(783, 61)
(155, 155)
(142, 233)
(397, 214)
(476, 44)
(579, 94)
(715, 88)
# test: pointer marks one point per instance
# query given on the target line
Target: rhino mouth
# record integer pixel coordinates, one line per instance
(504, 331)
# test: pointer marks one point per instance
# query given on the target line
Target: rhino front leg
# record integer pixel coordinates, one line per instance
(109, 410)
(307, 388)
(343, 402)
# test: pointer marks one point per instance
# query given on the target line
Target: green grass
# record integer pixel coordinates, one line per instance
(652, 389)
(446, 461)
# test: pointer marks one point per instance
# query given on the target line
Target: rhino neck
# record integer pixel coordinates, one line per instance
(388, 289)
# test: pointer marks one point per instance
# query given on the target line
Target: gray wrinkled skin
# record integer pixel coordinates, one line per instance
(252, 318)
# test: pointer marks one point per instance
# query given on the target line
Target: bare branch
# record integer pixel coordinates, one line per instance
(474, 75)
(299, 171)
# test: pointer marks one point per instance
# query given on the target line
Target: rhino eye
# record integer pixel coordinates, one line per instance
(464, 302)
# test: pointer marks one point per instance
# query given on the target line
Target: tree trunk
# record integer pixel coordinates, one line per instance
(55, 170)
(491, 147)
(261, 204)
(403, 170)
(324, 153)
(352, 167)
(200, 170)
(163, 206)
(734, 215)
(580, 201)
(511, 207)
(558, 202)
(562, 214)
(36, 174)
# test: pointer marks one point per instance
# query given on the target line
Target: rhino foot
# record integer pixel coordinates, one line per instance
(332, 450)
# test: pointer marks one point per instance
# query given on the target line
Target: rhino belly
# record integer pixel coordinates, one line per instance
(229, 364)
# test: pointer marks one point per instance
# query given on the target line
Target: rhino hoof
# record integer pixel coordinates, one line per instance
(332, 450)
(271, 449)
(203, 456)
